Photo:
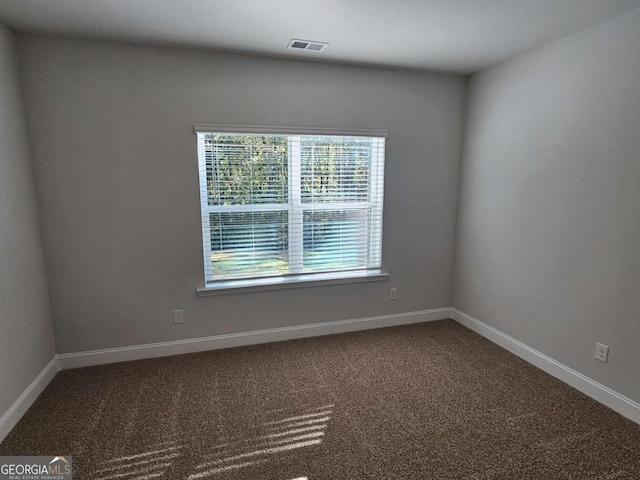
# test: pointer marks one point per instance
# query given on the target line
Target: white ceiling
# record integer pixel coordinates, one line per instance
(451, 35)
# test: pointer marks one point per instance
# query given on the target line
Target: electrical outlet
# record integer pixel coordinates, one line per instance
(393, 294)
(178, 316)
(602, 352)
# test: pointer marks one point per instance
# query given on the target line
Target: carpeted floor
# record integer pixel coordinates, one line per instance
(427, 401)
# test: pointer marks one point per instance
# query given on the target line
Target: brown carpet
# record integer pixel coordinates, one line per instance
(427, 401)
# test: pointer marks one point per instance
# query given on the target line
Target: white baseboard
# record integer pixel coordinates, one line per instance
(24, 401)
(177, 347)
(600, 393)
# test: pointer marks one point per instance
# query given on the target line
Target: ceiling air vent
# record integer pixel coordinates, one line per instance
(307, 45)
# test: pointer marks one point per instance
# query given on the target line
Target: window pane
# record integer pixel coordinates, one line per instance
(246, 169)
(335, 239)
(249, 244)
(275, 204)
(335, 169)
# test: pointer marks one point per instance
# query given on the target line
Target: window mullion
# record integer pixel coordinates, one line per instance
(295, 206)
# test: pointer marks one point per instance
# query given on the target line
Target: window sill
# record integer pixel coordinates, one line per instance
(293, 281)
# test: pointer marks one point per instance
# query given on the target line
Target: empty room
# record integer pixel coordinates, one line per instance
(340, 239)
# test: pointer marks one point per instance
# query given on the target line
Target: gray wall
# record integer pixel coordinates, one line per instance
(548, 243)
(116, 172)
(26, 336)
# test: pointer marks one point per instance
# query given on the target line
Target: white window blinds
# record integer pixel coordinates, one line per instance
(289, 204)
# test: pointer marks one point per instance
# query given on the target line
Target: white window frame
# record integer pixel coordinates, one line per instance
(295, 209)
